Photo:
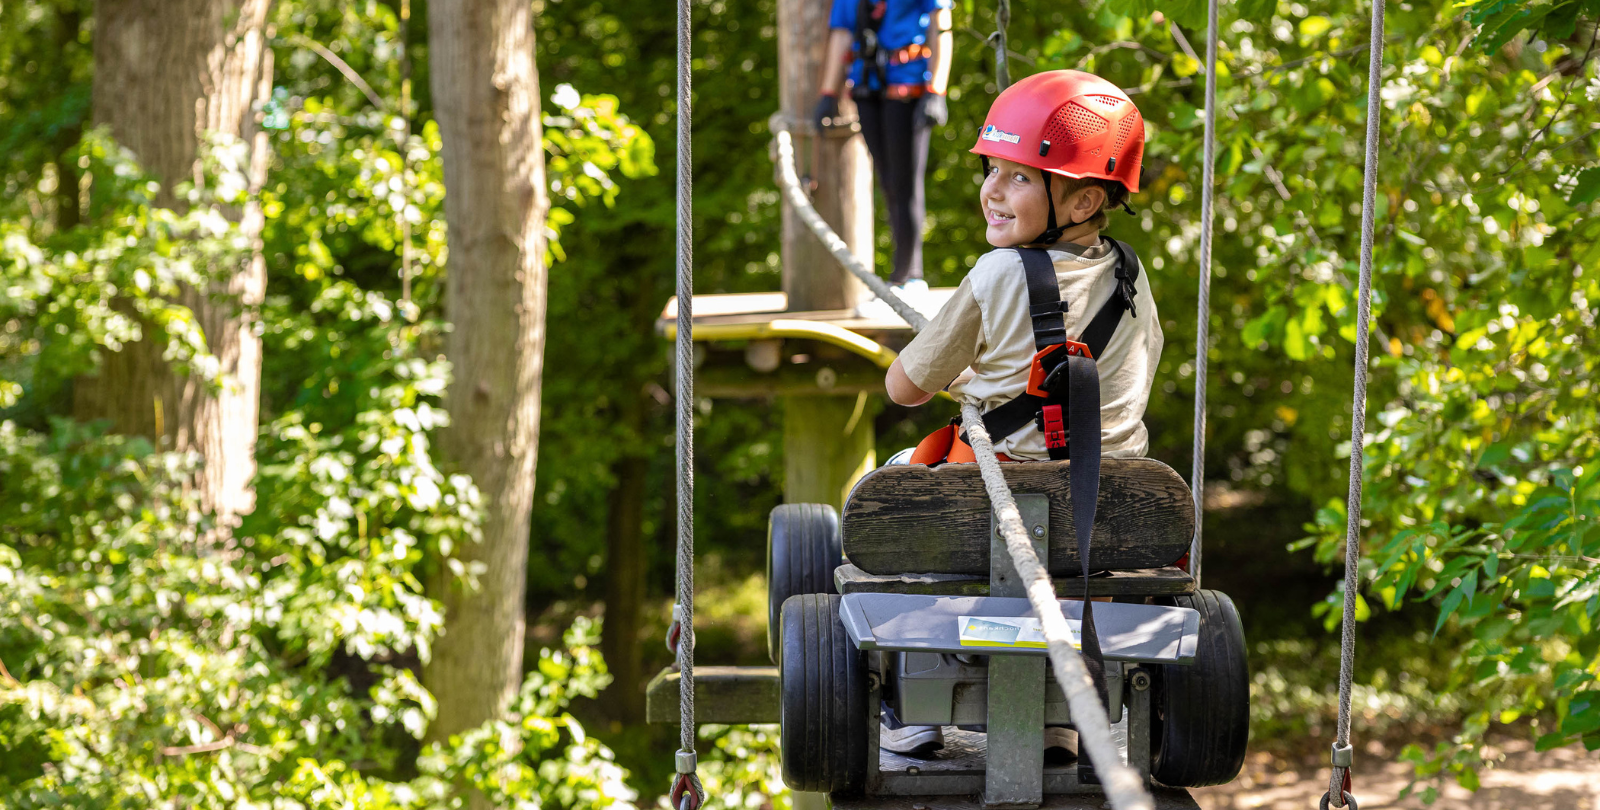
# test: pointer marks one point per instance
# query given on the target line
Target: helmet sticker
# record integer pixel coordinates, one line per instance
(994, 133)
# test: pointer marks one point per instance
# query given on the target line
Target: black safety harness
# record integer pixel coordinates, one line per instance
(1063, 399)
(869, 49)
(1052, 393)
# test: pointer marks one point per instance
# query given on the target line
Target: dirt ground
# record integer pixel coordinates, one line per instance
(1563, 779)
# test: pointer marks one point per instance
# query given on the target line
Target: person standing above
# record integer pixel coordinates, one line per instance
(898, 53)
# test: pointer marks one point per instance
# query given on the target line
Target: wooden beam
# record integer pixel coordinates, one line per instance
(1146, 582)
(835, 377)
(728, 695)
(917, 519)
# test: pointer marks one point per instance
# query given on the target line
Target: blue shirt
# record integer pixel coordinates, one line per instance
(905, 22)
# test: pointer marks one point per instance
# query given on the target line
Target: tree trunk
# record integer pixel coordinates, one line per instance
(167, 72)
(486, 100)
(625, 580)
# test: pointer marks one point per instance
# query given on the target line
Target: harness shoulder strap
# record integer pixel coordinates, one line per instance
(1045, 306)
(1097, 335)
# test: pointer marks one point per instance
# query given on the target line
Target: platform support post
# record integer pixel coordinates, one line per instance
(838, 167)
(827, 446)
(1014, 772)
(828, 441)
(801, 800)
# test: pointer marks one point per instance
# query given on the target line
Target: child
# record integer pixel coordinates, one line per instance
(1059, 149)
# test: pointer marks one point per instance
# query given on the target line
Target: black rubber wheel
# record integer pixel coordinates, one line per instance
(803, 548)
(1201, 720)
(823, 681)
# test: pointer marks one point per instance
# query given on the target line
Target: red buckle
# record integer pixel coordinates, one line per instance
(1055, 431)
(1037, 375)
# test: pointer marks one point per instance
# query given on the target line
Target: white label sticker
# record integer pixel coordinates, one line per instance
(1010, 631)
(994, 133)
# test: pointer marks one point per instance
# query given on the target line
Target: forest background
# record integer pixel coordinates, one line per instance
(162, 646)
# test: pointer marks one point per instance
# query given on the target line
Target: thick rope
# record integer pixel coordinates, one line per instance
(1358, 416)
(1202, 337)
(1123, 787)
(789, 178)
(685, 396)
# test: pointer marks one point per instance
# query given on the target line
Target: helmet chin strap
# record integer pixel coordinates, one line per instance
(1052, 231)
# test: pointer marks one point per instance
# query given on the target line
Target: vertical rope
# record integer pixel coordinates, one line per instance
(1002, 67)
(1358, 416)
(1202, 338)
(685, 391)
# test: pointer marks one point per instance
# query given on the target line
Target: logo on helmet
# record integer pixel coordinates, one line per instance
(994, 133)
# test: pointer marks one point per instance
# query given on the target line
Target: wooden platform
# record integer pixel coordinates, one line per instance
(754, 308)
(726, 695)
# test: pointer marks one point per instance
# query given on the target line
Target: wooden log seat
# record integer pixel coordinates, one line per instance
(913, 518)
(1133, 582)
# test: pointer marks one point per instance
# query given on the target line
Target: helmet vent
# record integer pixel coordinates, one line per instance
(1128, 123)
(1072, 123)
(1109, 101)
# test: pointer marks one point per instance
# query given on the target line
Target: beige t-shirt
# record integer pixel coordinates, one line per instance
(986, 326)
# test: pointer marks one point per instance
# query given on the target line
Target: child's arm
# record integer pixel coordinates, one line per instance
(901, 389)
(941, 353)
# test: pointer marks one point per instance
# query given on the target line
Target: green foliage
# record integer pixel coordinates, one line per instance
(152, 657)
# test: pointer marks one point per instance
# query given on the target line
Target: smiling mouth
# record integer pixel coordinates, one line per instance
(997, 218)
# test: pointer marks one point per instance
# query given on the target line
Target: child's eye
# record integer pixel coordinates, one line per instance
(1019, 177)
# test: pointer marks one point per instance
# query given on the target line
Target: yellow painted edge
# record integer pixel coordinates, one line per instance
(881, 356)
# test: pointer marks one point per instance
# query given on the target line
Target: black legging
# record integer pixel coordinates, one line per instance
(897, 137)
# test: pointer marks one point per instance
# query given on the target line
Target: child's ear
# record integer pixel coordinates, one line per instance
(1090, 200)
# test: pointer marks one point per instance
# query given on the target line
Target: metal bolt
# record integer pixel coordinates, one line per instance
(1038, 532)
(913, 770)
(1141, 680)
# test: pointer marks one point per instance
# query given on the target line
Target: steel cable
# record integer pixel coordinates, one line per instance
(1358, 416)
(685, 403)
(1202, 339)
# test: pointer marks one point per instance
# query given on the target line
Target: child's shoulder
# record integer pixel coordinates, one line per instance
(998, 264)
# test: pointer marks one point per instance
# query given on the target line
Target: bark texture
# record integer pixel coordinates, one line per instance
(166, 72)
(486, 100)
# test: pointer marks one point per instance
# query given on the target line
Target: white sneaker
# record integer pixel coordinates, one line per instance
(1060, 745)
(912, 741)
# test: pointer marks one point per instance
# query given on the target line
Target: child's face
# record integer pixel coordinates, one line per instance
(1014, 205)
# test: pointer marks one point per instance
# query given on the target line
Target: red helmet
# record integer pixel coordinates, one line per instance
(1067, 122)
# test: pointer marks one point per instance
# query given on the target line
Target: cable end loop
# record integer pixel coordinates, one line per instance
(1349, 801)
(687, 792)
